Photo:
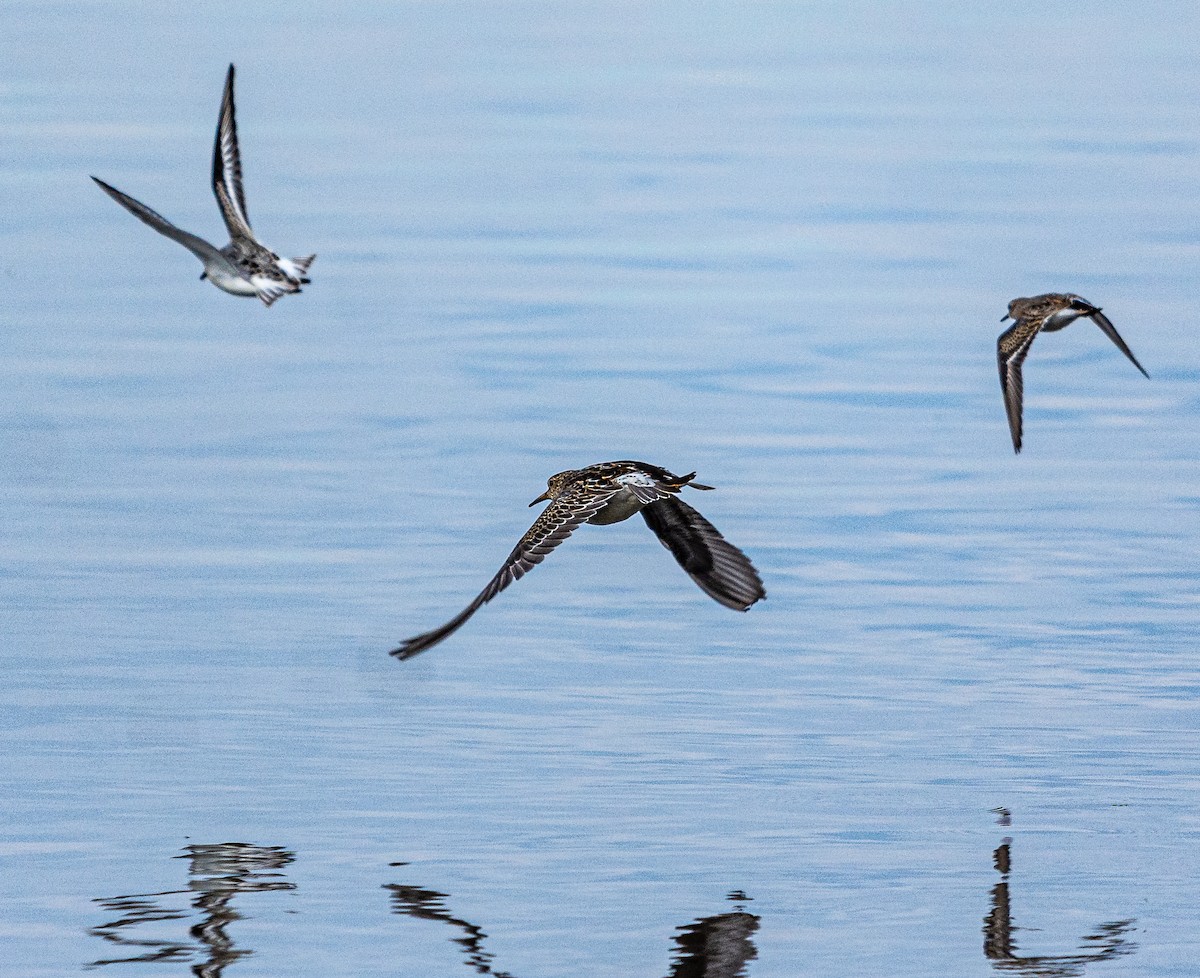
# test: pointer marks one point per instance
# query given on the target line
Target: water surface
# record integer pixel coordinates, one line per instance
(766, 243)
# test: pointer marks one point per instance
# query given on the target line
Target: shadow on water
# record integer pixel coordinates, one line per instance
(710, 947)
(217, 874)
(1000, 948)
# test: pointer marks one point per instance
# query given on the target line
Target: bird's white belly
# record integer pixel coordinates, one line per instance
(1064, 317)
(231, 283)
(622, 506)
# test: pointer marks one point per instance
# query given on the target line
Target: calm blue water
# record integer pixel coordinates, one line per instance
(768, 242)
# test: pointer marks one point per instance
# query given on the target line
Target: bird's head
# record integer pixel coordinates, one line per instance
(555, 485)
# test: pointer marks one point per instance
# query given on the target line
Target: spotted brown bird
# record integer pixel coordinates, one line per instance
(608, 493)
(1042, 313)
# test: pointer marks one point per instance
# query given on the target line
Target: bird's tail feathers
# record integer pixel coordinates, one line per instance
(302, 265)
(686, 480)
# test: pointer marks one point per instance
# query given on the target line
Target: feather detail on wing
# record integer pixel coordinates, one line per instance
(721, 570)
(556, 522)
(197, 246)
(227, 168)
(1011, 350)
(1110, 331)
(645, 487)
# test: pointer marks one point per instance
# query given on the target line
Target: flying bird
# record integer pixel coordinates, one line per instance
(245, 266)
(608, 493)
(1042, 313)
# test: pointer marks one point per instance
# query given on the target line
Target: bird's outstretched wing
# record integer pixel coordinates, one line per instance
(1110, 331)
(723, 572)
(197, 246)
(556, 522)
(1011, 349)
(227, 168)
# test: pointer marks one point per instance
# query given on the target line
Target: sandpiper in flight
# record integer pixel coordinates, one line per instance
(1042, 313)
(608, 493)
(244, 266)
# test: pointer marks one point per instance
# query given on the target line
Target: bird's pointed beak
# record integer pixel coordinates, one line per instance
(1004, 317)
(542, 498)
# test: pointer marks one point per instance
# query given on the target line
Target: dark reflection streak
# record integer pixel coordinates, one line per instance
(413, 901)
(716, 947)
(711, 947)
(1000, 948)
(138, 910)
(218, 873)
(210, 932)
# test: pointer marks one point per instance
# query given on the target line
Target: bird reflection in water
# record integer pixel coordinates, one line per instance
(414, 901)
(711, 947)
(218, 873)
(718, 946)
(1108, 942)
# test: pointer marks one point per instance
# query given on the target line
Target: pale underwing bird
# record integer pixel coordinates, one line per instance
(1042, 314)
(608, 493)
(245, 266)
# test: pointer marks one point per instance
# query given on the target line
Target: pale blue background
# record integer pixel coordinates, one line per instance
(771, 242)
